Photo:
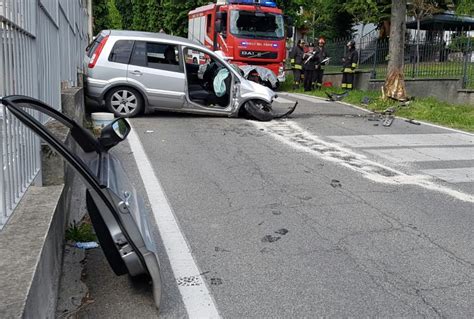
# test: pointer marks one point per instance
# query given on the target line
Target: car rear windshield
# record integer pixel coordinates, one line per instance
(94, 44)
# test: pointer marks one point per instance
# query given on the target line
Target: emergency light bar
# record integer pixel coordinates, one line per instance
(264, 3)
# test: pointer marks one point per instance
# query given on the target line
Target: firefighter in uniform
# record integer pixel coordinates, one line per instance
(349, 64)
(319, 71)
(296, 57)
(309, 67)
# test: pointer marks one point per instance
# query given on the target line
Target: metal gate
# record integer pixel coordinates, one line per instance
(41, 46)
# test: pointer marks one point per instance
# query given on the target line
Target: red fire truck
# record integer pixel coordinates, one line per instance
(248, 32)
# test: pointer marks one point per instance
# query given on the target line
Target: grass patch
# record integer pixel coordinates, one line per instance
(82, 232)
(423, 109)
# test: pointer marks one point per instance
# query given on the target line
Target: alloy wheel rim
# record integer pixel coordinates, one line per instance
(124, 102)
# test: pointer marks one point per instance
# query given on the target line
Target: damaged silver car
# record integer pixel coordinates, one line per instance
(131, 72)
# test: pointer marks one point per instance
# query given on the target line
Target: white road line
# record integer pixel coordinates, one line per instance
(453, 175)
(291, 134)
(425, 154)
(283, 101)
(197, 299)
(405, 140)
(308, 98)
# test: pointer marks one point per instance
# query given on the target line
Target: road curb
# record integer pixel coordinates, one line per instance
(296, 95)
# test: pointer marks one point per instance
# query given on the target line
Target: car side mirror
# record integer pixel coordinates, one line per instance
(114, 133)
(289, 32)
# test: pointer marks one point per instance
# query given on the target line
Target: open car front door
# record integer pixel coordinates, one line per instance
(117, 213)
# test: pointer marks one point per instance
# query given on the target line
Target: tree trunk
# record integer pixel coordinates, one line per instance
(394, 86)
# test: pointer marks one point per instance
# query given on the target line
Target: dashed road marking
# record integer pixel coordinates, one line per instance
(405, 140)
(453, 175)
(426, 154)
(293, 135)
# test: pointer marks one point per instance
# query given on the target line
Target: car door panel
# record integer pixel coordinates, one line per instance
(162, 81)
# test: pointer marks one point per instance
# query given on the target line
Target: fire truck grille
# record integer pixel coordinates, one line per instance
(258, 54)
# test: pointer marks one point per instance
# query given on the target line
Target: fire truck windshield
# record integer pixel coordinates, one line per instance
(257, 24)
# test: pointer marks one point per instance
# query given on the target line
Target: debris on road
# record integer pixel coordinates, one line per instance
(219, 249)
(149, 131)
(411, 121)
(270, 239)
(216, 281)
(263, 111)
(86, 245)
(282, 231)
(365, 100)
(388, 121)
(335, 183)
(337, 97)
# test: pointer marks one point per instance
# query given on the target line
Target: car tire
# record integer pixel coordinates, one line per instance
(259, 110)
(124, 102)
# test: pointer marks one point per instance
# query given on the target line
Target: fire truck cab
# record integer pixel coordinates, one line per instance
(248, 32)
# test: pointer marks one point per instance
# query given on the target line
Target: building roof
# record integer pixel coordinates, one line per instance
(445, 21)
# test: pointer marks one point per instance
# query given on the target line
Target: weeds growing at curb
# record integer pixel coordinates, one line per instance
(80, 232)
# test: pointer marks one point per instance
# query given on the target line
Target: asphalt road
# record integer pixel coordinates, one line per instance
(328, 213)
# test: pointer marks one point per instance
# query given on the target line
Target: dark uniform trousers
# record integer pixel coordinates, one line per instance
(349, 66)
(309, 64)
(319, 71)
(296, 57)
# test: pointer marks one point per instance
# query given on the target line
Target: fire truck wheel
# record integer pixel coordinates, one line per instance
(259, 110)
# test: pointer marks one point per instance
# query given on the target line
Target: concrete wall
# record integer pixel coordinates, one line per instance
(31, 244)
(466, 97)
(448, 90)
(361, 81)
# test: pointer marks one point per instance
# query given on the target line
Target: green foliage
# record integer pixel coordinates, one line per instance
(465, 7)
(82, 232)
(114, 16)
(100, 14)
(153, 16)
(363, 11)
(462, 44)
(124, 7)
(329, 18)
(175, 17)
(140, 15)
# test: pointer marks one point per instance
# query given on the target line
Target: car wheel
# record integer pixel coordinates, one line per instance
(259, 110)
(124, 102)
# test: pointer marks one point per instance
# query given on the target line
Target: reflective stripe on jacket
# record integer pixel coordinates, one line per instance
(296, 56)
(350, 60)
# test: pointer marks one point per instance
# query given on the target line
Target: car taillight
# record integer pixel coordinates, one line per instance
(96, 54)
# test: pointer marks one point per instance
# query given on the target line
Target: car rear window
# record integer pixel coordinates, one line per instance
(121, 51)
(93, 45)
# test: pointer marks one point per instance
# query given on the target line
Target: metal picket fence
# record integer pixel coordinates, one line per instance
(41, 45)
(451, 56)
